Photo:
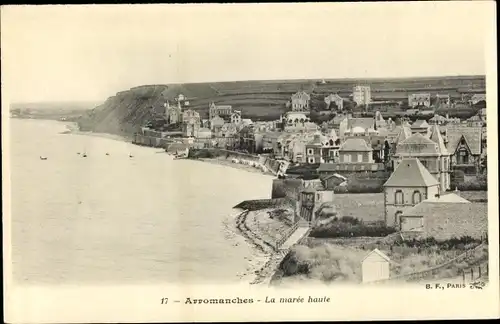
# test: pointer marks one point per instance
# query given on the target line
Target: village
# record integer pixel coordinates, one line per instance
(406, 178)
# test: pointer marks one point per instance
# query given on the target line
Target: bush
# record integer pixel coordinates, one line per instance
(449, 244)
(351, 227)
(478, 184)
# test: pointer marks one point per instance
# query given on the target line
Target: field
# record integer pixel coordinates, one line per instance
(258, 100)
(366, 207)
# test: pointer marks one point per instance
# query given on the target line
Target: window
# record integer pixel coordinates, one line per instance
(399, 197)
(417, 197)
(360, 157)
(310, 152)
(397, 217)
(311, 160)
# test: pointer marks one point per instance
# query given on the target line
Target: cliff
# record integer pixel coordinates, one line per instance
(126, 111)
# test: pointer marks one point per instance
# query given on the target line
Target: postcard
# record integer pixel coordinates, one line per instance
(249, 162)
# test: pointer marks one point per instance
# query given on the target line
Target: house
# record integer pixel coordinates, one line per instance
(204, 132)
(408, 185)
(296, 148)
(446, 216)
(431, 152)
(334, 102)
(173, 114)
(375, 266)
(475, 121)
(419, 99)
(361, 95)
(300, 101)
(191, 122)
(322, 148)
(357, 127)
(476, 98)
(223, 111)
(312, 198)
(216, 124)
(442, 99)
(465, 147)
(314, 150)
(270, 142)
(228, 130)
(295, 120)
(438, 120)
(420, 126)
(355, 150)
(247, 139)
(236, 117)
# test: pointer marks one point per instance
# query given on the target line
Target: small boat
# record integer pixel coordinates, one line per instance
(107, 153)
(43, 158)
(130, 156)
(78, 153)
(84, 155)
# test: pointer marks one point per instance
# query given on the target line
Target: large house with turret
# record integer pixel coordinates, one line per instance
(408, 185)
(431, 152)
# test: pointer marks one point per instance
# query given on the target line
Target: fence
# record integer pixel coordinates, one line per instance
(475, 272)
(300, 223)
(424, 273)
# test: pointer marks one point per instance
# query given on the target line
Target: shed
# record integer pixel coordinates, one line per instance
(375, 266)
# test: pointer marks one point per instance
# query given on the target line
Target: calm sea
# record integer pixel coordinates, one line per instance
(109, 219)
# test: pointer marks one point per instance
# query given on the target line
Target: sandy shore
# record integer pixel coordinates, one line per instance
(228, 163)
(261, 232)
(72, 129)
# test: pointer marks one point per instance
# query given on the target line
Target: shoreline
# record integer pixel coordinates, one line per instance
(228, 163)
(73, 129)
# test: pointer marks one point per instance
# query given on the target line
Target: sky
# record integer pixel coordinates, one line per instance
(88, 53)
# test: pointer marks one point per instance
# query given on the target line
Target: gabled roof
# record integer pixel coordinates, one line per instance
(438, 118)
(472, 137)
(438, 139)
(404, 133)
(420, 123)
(355, 145)
(379, 253)
(411, 173)
(364, 123)
(418, 144)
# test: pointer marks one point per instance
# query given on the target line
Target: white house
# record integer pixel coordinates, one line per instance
(375, 266)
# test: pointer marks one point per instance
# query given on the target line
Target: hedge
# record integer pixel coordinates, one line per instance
(478, 184)
(351, 227)
(449, 244)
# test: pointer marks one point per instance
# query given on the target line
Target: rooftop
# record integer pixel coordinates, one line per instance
(444, 220)
(411, 173)
(420, 123)
(438, 139)
(472, 137)
(417, 144)
(355, 145)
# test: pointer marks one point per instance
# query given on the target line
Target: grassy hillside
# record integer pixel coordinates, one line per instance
(260, 100)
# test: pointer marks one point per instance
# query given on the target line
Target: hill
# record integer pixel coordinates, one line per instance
(126, 111)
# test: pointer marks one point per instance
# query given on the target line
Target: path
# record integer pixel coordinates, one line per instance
(294, 238)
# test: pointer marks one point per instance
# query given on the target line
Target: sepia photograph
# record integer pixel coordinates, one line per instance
(272, 147)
